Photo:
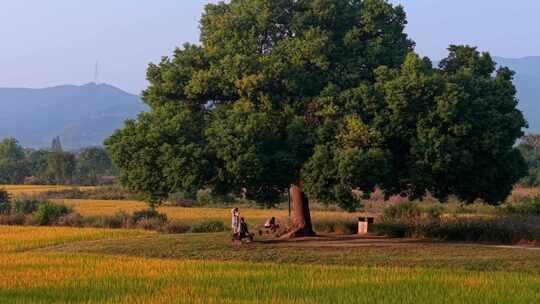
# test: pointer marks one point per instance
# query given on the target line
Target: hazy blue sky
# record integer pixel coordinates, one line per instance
(51, 42)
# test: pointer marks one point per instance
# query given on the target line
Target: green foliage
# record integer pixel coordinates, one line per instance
(337, 227)
(61, 167)
(206, 198)
(394, 229)
(175, 227)
(26, 205)
(159, 154)
(5, 202)
(328, 93)
(47, 167)
(48, 213)
(435, 212)
(38, 163)
(527, 206)
(402, 211)
(181, 199)
(13, 167)
(210, 226)
(92, 163)
(503, 230)
(149, 214)
(99, 193)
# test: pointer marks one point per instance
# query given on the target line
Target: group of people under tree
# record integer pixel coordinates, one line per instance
(240, 228)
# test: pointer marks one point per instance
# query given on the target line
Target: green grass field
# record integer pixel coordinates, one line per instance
(65, 265)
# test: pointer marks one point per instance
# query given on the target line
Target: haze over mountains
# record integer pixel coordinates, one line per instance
(86, 115)
(527, 81)
(80, 115)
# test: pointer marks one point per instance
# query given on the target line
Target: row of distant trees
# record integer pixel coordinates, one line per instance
(55, 166)
(52, 166)
(530, 149)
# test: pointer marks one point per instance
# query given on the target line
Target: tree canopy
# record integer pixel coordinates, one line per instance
(328, 95)
(12, 162)
(92, 163)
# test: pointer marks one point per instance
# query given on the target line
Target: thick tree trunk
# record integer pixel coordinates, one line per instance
(301, 217)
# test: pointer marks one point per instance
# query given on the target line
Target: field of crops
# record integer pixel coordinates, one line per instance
(108, 207)
(35, 189)
(35, 276)
(73, 265)
(16, 238)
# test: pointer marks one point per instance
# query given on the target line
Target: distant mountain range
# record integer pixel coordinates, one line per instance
(86, 115)
(527, 82)
(80, 115)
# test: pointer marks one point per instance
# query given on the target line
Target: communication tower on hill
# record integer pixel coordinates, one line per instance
(96, 73)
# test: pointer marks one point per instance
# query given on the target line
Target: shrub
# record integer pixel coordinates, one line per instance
(180, 199)
(210, 226)
(324, 226)
(5, 205)
(69, 193)
(26, 205)
(505, 230)
(527, 206)
(148, 214)
(405, 210)
(174, 227)
(435, 212)
(393, 229)
(120, 219)
(338, 227)
(496, 230)
(462, 209)
(13, 219)
(345, 228)
(98, 193)
(71, 220)
(150, 223)
(91, 221)
(48, 213)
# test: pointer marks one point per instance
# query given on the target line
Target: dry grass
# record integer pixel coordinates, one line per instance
(17, 190)
(190, 215)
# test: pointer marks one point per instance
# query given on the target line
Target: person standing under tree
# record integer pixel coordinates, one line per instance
(235, 222)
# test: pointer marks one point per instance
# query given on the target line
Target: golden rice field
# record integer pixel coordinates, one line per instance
(17, 238)
(35, 189)
(103, 207)
(36, 267)
(51, 277)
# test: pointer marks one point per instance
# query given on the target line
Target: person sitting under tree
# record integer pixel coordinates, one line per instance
(244, 231)
(271, 225)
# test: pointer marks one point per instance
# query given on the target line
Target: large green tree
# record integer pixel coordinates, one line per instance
(323, 97)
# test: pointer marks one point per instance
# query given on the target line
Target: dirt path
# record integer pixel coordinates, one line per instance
(376, 241)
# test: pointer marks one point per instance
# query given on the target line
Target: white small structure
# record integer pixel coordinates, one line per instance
(363, 224)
